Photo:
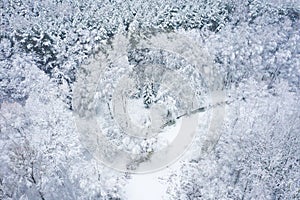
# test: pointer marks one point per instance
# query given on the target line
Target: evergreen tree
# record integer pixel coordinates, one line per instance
(148, 94)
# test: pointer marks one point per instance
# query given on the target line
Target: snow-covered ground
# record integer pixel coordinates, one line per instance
(146, 186)
(150, 186)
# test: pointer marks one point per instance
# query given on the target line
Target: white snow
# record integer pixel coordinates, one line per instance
(137, 113)
(148, 186)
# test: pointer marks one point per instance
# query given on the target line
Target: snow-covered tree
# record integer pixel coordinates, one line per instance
(148, 94)
(44, 46)
(257, 155)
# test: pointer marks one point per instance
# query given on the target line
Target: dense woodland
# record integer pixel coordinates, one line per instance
(46, 48)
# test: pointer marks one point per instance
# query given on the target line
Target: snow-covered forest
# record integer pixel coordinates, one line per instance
(93, 92)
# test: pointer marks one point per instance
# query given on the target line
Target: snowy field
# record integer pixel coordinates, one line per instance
(149, 100)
